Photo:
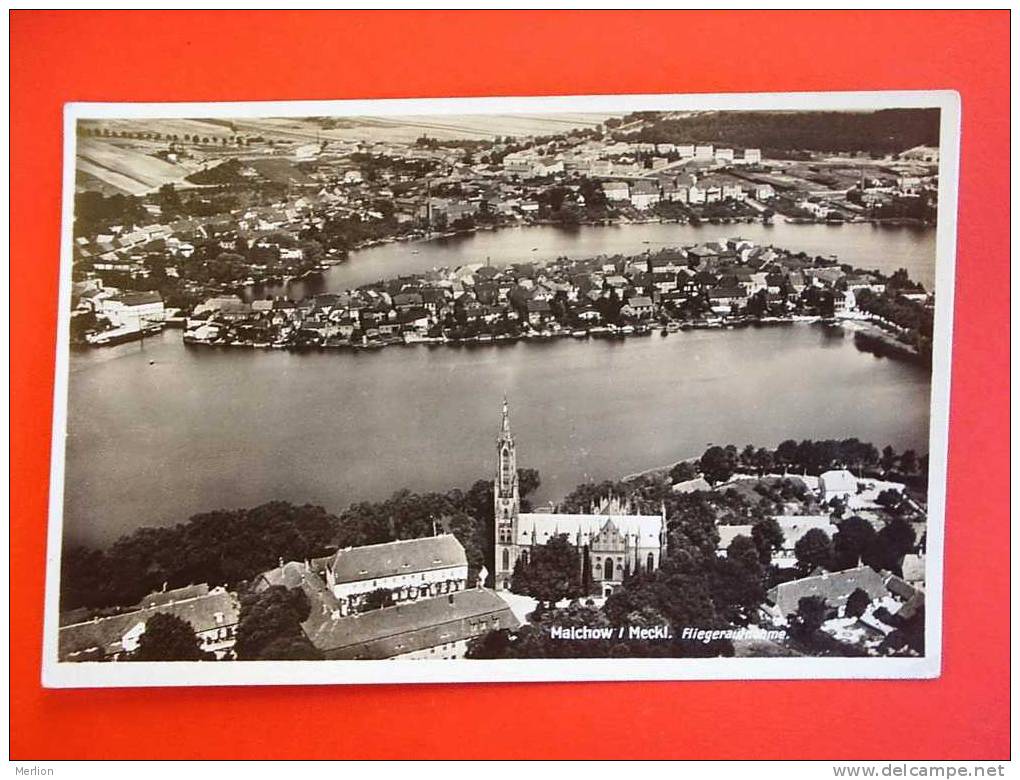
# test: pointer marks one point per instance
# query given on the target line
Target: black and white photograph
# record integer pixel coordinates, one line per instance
(622, 387)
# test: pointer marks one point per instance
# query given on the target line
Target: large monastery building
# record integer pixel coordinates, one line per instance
(614, 539)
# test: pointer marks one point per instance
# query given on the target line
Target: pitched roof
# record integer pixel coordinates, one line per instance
(138, 298)
(102, 636)
(691, 485)
(411, 626)
(834, 587)
(643, 187)
(540, 307)
(838, 480)
(405, 556)
(793, 527)
(177, 594)
(538, 528)
(913, 568)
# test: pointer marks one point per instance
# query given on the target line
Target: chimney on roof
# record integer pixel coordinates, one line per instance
(450, 598)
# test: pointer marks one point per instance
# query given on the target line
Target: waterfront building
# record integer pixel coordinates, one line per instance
(644, 194)
(133, 310)
(614, 539)
(616, 190)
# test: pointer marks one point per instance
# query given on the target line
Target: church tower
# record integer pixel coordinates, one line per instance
(507, 501)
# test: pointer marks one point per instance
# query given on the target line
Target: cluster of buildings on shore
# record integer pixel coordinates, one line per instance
(416, 190)
(704, 284)
(416, 599)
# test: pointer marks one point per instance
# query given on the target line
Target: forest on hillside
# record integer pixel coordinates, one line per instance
(888, 131)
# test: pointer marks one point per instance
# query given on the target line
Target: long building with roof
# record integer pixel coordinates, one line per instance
(615, 539)
(408, 569)
(431, 620)
(212, 614)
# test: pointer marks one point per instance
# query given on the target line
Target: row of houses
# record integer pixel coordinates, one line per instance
(687, 188)
(721, 275)
(427, 609)
(619, 158)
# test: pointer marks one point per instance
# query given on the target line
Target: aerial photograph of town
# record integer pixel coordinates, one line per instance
(649, 384)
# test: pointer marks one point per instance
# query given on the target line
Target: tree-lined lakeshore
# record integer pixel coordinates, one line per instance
(694, 585)
(730, 283)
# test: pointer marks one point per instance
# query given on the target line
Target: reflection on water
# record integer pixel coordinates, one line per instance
(159, 431)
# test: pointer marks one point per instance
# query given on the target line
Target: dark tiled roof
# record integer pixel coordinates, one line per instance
(177, 594)
(104, 634)
(139, 298)
(417, 625)
(834, 587)
(406, 556)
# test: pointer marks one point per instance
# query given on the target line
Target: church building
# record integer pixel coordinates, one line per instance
(612, 539)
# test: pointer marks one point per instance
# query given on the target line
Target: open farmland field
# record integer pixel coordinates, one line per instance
(162, 128)
(392, 129)
(125, 166)
(448, 128)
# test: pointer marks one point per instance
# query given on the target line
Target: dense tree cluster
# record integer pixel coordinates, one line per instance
(857, 542)
(219, 547)
(227, 172)
(270, 626)
(468, 515)
(232, 546)
(94, 212)
(168, 638)
(551, 572)
(882, 132)
(915, 321)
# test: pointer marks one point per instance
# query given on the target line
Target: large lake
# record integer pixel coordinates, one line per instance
(863, 245)
(159, 431)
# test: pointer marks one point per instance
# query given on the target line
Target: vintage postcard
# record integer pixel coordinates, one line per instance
(576, 388)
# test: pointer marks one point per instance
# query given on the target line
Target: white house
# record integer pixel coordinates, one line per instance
(133, 310)
(838, 483)
(409, 569)
(616, 190)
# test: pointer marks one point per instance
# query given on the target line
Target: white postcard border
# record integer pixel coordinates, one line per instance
(57, 674)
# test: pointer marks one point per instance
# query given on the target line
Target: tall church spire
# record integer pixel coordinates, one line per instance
(504, 428)
(506, 499)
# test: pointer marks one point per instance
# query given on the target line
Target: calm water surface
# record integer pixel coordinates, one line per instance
(862, 245)
(159, 431)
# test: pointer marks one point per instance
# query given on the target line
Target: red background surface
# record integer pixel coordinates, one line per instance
(194, 56)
